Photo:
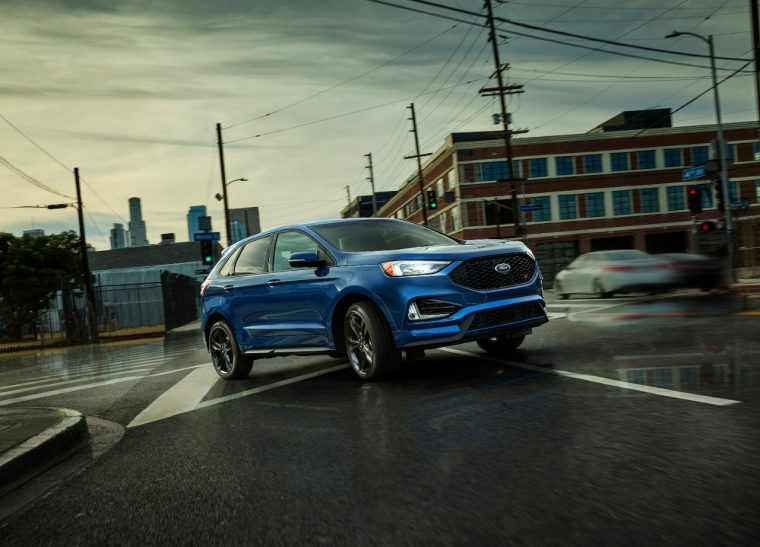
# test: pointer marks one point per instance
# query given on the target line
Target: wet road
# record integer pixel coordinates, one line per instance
(626, 421)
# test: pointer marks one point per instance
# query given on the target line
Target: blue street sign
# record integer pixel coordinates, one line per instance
(741, 206)
(696, 172)
(206, 236)
(531, 207)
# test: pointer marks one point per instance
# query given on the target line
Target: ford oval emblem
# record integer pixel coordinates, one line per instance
(503, 268)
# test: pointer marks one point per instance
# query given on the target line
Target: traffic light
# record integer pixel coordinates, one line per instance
(432, 200)
(207, 253)
(694, 199)
(708, 226)
(719, 197)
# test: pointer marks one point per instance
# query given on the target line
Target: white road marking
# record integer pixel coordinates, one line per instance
(553, 315)
(70, 378)
(180, 369)
(605, 381)
(273, 385)
(182, 397)
(68, 390)
(60, 383)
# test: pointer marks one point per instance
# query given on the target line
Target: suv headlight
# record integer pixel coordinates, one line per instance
(399, 268)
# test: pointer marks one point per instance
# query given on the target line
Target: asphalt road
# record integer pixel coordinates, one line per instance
(629, 421)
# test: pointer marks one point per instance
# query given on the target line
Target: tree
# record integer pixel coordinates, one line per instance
(32, 270)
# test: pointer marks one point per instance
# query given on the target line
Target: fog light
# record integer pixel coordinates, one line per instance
(430, 308)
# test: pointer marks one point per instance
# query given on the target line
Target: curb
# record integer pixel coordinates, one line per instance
(31, 457)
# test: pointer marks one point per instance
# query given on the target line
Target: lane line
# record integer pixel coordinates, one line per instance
(705, 399)
(180, 369)
(273, 385)
(182, 397)
(68, 390)
(67, 379)
(74, 381)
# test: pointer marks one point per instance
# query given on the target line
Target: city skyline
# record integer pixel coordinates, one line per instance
(131, 94)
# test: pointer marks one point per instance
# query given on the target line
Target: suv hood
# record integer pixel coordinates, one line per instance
(466, 251)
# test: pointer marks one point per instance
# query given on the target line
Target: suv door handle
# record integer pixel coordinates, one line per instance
(273, 282)
(228, 288)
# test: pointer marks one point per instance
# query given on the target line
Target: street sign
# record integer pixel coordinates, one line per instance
(206, 236)
(531, 207)
(696, 172)
(741, 206)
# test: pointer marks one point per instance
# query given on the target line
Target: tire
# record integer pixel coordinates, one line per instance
(558, 290)
(369, 345)
(499, 345)
(599, 290)
(228, 362)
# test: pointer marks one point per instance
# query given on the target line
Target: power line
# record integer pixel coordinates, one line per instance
(330, 88)
(29, 178)
(570, 34)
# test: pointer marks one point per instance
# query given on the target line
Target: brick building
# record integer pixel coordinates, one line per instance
(605, 189)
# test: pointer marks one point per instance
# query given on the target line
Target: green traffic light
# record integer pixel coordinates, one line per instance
(207, 260)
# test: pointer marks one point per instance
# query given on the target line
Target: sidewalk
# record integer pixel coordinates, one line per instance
(34, 439)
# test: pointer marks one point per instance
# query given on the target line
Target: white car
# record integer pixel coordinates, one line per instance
(607, 272)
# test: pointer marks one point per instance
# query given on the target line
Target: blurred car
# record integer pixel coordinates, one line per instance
(695, 270)
(605, 273)
(366, 289)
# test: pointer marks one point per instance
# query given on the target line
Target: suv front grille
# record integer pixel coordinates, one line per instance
(481, 274)
(520, 312)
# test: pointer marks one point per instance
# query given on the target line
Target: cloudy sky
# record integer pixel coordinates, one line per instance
(130, 92)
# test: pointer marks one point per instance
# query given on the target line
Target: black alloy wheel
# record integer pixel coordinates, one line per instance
(369, 344)
(599, 289)
(228, 362)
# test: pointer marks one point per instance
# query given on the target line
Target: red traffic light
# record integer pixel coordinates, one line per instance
(708, 226)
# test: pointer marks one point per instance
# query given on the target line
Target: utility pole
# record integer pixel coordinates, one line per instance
(348, 194)
(89, 292)
(501, 91)
(419, 162)
(371, 180)
(224, 184)
(756, 52)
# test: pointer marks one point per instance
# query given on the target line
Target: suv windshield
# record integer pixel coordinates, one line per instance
(380, 235)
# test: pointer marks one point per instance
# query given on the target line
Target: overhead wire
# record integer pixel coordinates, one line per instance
(343, 82)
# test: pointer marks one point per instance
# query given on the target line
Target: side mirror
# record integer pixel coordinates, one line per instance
(306, 259)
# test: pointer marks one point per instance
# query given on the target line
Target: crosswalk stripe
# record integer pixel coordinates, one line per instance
(38, 387)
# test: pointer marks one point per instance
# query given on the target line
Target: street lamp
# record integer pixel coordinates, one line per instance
(721, 147)
(223, 197)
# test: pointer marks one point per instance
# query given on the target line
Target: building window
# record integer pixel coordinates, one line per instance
(705, 191)
(699, 154)
(538, 167)
(592, 163)
(675, 198)
(496, 170)
(646, 159)
(619, 161)
(673, 157)
(621, 202)
(544, 214)
(755, 151)
(565, 165)
(730, 152)
(733, 191)
(567, 207)
(595, 204)
(418, 202)
(650, 200)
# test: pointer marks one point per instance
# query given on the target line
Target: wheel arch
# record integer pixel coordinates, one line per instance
(339, 312)
(213, 318)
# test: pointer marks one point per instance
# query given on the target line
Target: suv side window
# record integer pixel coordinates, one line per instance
(226, 269)
(253, 258)
(289, 243)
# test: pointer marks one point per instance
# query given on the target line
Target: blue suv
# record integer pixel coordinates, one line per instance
(366, 289)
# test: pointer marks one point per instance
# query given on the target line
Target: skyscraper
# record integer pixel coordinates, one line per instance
(118, 237)
(193, 214)
(137, 232)
(244, 222)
